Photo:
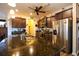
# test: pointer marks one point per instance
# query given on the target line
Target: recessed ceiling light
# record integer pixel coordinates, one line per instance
(16, 10)
(12, 11)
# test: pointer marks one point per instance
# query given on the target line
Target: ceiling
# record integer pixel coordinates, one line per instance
(25, 11)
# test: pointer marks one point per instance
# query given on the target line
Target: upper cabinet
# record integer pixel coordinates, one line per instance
(59, 16)
(63, 14)
(45, 22)
(19, 22)
(67, 13)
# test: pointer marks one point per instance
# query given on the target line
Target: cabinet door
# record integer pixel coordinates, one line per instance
(67, 14)
(18, 23)
(59, 16)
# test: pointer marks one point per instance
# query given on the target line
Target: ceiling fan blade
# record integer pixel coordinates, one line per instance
(42, 11)
(36, 8)
(40, 7)
(37, 13)
(31, 8)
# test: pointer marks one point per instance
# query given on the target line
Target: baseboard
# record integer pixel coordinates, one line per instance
(74, 54)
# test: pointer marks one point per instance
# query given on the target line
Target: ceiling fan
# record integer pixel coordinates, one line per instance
(38, 10)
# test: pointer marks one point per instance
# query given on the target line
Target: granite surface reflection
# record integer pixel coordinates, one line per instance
(29, 46)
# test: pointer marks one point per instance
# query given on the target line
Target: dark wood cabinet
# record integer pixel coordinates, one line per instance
(59, 16)
(3, 33)
(67, 14)
(45, 22)
(19, 22)
(63, 14)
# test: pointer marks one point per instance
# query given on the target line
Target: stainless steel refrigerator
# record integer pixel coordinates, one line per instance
(65, 33)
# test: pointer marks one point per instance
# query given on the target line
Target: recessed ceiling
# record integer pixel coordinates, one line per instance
(24, 10)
